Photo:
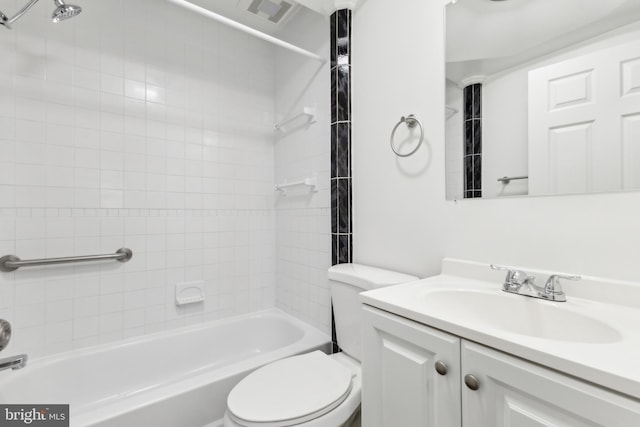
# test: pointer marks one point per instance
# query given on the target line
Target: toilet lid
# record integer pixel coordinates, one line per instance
(290, 391)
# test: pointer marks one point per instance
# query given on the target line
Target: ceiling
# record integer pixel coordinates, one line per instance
(237, 10)
(485, 37)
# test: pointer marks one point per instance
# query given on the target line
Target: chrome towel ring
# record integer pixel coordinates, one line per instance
(411, 122)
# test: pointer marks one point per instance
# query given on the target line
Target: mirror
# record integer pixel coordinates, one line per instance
(542, 97)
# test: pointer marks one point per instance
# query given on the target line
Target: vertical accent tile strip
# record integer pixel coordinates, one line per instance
(341, 186)
(472, 129)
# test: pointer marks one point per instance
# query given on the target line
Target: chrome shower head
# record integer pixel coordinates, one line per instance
(64, 11)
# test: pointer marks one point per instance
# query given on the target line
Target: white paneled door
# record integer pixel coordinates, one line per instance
(584, 123)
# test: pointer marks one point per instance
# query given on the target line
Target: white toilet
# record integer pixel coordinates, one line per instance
(314, 389)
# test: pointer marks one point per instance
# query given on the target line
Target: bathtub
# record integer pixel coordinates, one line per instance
(178, 378)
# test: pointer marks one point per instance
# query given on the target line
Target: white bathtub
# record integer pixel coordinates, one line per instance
(178, 378)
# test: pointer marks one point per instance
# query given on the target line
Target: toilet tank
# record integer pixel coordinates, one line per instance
(346, 282)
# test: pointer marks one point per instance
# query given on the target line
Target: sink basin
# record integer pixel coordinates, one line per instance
(518, 314)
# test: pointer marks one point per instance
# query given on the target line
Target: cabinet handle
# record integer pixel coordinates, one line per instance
(471, 382)
(441, 368)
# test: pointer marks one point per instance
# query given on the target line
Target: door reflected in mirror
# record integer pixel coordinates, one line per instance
(542, 97)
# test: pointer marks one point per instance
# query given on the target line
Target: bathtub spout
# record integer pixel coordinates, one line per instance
(14, 362)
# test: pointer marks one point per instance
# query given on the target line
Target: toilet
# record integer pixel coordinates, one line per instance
(314, 389)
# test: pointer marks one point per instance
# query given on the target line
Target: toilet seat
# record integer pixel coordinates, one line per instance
(290, 391)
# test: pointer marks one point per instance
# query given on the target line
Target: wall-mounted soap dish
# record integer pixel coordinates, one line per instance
(189, 292)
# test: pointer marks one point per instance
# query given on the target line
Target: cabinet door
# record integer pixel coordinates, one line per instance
(516, 393)
(400, 385)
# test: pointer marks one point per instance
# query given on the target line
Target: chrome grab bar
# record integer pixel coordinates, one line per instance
(13, 362)
(508, 179)
(10, 263)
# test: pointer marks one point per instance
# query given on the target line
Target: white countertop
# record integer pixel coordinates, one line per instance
(613, 363)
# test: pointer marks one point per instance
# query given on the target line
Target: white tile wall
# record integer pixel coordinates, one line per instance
(231, 250)
(303, 226)
(302, 259)
(118, 129)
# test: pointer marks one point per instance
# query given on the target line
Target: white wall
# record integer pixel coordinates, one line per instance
(151, 130)
(454, 142)
(303, 219)
(505, 134)
(402, 220)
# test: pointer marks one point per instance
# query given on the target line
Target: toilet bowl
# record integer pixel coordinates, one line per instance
(314, 389)
(310, 390)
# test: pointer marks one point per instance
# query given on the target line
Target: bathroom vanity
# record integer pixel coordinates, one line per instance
(456, 350)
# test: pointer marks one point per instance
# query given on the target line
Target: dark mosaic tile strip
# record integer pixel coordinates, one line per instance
(343, 26)
(468, 137)
(344, 205)
(468, 102)
(341, 248)
(334, 206)
(468, 173)
(341, 198)
(341, 189)
(343, 81)
(344, 248)
(477, 172)
(334, 95)
(343, 150)
(473, 140)
(477, 137)
(477, 101)
(334, 151)
(343, 23)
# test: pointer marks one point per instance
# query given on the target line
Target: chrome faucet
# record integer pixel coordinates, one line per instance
(14, 362)
(519, 282)
(5, 334)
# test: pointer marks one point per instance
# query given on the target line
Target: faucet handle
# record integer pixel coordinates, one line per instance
(552, 288)
(553, 282)
(5, 334)
(515, 278)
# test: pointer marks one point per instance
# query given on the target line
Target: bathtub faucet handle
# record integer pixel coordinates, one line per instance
(5, 334)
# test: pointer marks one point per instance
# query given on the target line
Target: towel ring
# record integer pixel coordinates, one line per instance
(411, 122)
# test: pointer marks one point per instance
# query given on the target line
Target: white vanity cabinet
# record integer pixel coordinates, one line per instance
(515, 393)
(402, 388)
(400, 384)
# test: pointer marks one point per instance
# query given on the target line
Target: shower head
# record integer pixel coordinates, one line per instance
(64, 11)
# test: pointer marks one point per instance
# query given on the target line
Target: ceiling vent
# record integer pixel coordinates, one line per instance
(273, 10)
